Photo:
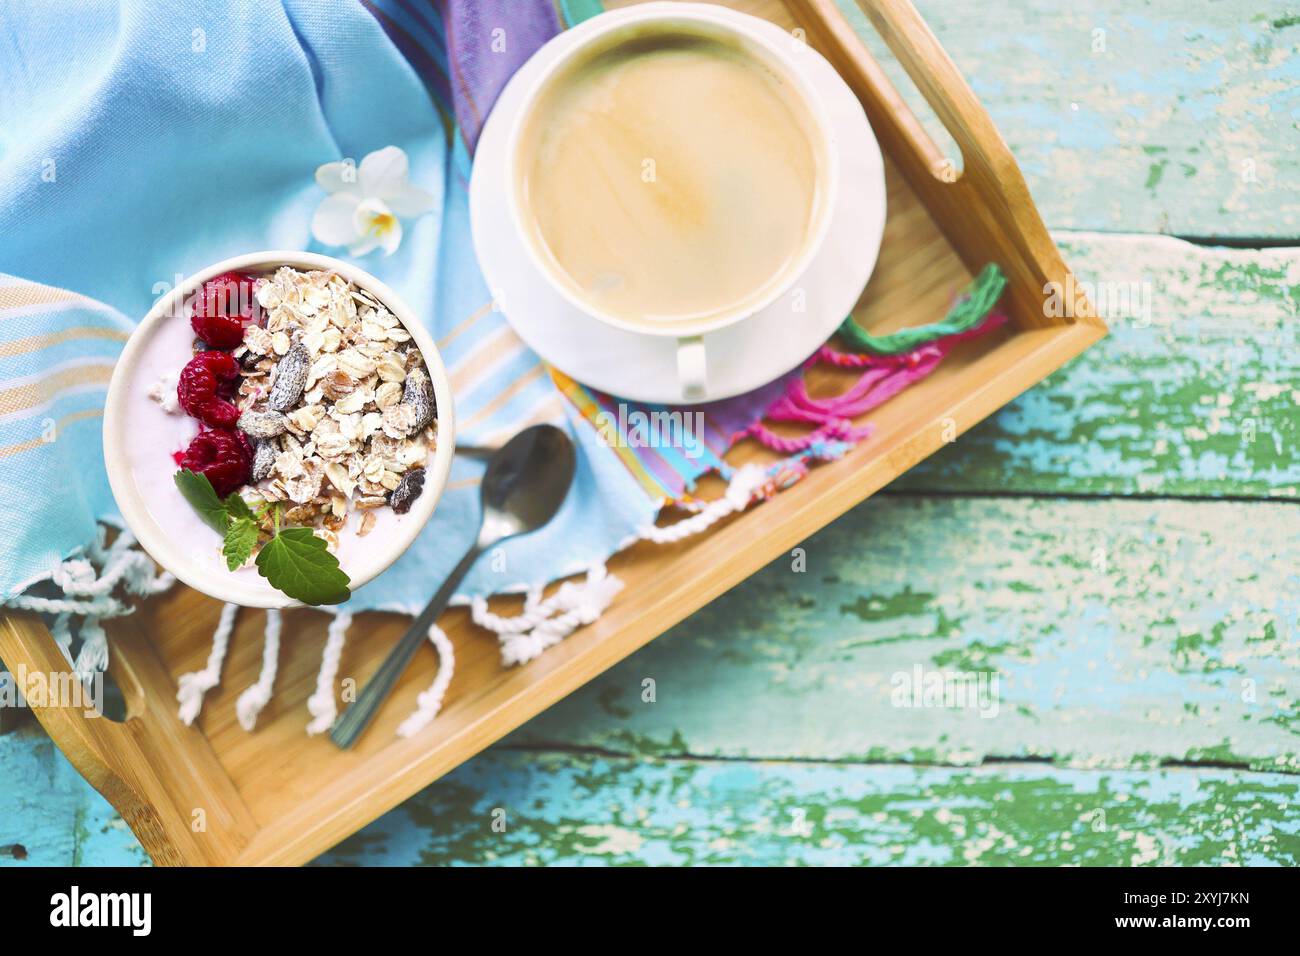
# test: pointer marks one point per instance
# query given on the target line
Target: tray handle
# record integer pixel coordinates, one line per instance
(937, 78)
(986, 212)
(154, 770)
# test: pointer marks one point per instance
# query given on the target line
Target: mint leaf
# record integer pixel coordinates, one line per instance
(241, 536)
(294, 561)
(298, 563)
(198, 491)
(237, 507)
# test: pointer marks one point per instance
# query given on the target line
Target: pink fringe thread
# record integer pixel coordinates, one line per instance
(884, 377)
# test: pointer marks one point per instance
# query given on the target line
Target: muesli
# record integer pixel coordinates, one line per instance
(316, 410)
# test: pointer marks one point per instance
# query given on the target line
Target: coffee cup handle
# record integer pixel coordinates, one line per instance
(692, 369)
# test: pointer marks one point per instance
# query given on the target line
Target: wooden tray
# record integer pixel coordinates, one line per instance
(276, 796)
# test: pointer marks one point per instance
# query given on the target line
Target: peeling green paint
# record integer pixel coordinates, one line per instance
(558, 812)
(1199, 397)
(1155, 172)
(1086, 94)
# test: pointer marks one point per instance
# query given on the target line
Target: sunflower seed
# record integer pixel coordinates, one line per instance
(262, 424)
(418, 393)
(263, 459)
(290, 378)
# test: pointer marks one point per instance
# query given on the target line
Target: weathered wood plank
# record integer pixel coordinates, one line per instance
(50, 816)
(1120, 633)
(1135, 116)
(1195, 392)
(560, 809)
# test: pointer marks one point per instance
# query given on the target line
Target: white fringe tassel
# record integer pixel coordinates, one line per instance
(61, 631)
(191, 687)
(321, 705)
(87, 584)
(544, 623)
(251, 701)
(430, 702)
(745, 484)
(93, 656)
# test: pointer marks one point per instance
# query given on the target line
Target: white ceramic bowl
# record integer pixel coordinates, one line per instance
(165, 545)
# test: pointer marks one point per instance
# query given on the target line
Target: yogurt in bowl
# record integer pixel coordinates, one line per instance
(300, 384)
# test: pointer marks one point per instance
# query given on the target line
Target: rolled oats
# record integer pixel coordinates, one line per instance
(398, 421)
(349, 425)
(412, 453)
(257, 340)
(338, 384)
(301, 514)
(356, 400)
(388, 394)
(305, 487)
(338, 401)
(289, 464)
(391, 369)
(338, 477)
(320, 368)
(357, 364)
(306, 417)
(333, 446)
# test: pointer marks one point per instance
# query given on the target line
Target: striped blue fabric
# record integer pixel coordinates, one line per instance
(140, 142)
(57, 352)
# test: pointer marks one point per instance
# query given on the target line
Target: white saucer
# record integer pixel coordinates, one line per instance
(742, 357)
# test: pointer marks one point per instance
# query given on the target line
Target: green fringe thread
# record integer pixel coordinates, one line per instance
(969, 311)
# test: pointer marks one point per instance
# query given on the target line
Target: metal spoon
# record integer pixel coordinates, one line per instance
(525, 483)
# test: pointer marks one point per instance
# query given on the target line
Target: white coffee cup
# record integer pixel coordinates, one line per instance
(747, 33)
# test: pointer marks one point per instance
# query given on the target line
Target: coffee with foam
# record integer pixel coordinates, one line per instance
(670, 178)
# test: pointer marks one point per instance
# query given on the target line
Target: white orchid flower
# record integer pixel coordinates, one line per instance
(364, 203)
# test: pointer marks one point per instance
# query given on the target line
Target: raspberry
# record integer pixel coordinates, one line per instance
(222, 308)
(206, 383)
(222, 455)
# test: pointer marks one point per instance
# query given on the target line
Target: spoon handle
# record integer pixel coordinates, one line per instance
(357, 717)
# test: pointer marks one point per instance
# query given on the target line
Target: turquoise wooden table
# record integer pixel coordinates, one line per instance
(1116, 554)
